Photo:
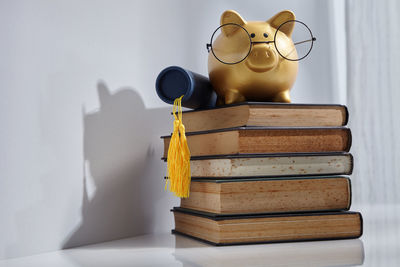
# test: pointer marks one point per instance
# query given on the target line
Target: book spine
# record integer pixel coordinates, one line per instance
(346, 115)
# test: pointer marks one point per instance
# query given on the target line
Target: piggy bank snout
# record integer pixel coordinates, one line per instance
(262, 58)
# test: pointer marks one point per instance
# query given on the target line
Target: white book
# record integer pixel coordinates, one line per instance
(272, 165)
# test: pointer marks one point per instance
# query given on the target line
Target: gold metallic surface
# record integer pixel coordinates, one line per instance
(264, 75)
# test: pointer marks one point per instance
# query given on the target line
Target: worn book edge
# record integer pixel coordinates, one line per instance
(346, 111)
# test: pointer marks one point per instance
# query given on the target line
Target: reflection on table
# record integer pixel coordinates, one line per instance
(319, 253)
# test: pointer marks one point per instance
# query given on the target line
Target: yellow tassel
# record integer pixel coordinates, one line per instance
(178, 156)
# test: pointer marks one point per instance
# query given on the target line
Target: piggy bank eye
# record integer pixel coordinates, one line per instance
(265, 35)
(252, 35)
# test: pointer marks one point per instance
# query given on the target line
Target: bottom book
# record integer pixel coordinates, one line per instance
(220, 229)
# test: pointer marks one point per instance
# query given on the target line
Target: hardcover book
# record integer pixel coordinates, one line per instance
(271, 165)
(244, 140)
(264, 228)
(265, 114)
(269, 195)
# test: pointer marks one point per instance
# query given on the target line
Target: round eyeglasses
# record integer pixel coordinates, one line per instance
(240, 42)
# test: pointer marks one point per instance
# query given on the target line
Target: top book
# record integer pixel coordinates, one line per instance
(265, 114)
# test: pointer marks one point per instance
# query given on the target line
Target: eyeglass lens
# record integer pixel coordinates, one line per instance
(231, 44)
(302, 40)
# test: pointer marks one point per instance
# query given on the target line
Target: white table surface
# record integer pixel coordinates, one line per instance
(379, 246)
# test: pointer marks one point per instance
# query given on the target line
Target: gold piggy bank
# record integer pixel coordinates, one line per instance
(244, 62)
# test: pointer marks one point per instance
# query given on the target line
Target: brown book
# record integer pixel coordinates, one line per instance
(244, 140)
(247, 229)
(269, 195)
(271, 165)
(265, 114)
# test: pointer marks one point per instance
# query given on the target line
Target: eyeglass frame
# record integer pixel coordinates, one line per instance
(313, 39)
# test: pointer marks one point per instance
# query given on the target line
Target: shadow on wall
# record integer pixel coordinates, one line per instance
(120, 163)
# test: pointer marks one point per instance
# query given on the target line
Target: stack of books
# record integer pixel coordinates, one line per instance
(268, 172)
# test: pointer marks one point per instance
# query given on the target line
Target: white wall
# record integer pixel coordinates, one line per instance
(373, 98)
(79, 118)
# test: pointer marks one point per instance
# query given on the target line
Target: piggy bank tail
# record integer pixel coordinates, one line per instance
(178, 160)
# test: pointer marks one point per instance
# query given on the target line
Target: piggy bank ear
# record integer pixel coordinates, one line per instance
(280, 18)
(231, 16)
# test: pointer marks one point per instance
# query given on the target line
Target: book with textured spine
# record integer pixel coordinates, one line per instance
(245, 140)
(266, 228)
(269, 195)
(271, 165)
(265, 114)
